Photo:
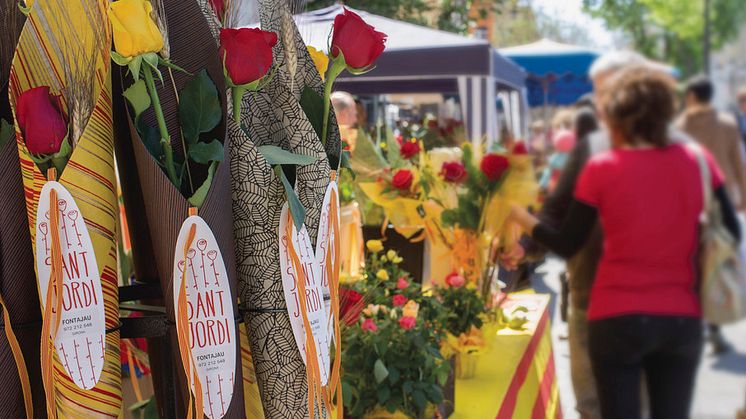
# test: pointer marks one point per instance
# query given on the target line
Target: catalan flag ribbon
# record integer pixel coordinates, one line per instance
(46, 44)
(517, 372)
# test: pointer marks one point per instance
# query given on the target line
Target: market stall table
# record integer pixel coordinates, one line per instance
(515, 377)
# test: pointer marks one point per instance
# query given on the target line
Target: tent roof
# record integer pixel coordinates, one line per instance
(546, 47)
(416, 59)
(547, 57)
(315, 27)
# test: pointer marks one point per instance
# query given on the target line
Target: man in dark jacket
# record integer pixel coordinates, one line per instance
(582, 267)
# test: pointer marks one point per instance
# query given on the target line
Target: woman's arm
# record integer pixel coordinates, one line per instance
(570, 237)
(730, 220)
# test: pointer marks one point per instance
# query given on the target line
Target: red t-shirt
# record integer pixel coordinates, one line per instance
(649, 202)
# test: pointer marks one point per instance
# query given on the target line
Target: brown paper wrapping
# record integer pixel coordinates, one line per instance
(159, 209)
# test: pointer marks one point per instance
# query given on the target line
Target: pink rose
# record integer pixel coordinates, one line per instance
(369, 325)
(455, 280)
(407, 323)
(402, 283)
(399, 300)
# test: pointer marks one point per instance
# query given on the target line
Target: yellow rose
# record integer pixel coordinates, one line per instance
(391, 254)
(374, 246)
(320, 59)
(411, 309)
(397, 260)
(135, 33)
(382, 275)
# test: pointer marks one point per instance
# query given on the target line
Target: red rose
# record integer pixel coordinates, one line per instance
(359, 43)
(246, 53)
(402, 180)
(455, 280)
(407, 323)
(454, 172)
(399, 300)
(369, 325)
(402, 283)
(494, 166)
(520, 149)
(432, 124)
(40, 118)
(409, 149)
(351, 307)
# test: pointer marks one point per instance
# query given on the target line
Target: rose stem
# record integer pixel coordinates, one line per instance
(183, 142)
(165, 138)
(334, 70)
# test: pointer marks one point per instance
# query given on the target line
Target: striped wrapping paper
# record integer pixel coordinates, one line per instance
(90, 178)
(157, 208)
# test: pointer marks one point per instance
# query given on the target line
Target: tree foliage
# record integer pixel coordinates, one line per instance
(671, 30)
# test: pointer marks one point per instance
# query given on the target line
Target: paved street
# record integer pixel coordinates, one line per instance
(721, 387)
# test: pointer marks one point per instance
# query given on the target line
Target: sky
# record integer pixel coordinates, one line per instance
(572, 11)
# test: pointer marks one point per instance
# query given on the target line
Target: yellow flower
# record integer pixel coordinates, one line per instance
(382, 275)
(397, 260)
(135, 32)
(374, 246)
(411, 309)
(391, 254)
(384, 259)
(320, 59)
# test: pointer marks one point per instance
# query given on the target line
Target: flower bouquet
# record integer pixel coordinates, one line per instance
(60, 93)
(392, 363)
(20, 301)
(177, 188)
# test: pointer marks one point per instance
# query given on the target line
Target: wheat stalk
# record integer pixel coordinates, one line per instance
(79, 50)
(289, 47)
(160, 20)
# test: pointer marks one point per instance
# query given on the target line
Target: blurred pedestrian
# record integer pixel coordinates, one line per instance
(582, 267)
(562, 143)
(345, 109)
(644, 313)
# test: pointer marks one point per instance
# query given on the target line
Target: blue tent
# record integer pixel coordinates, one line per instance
(557, 73)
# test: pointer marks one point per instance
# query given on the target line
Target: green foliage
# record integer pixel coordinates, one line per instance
(6, 132)
(391, 367)
(199, 107)
(671, 30)
(464, 308)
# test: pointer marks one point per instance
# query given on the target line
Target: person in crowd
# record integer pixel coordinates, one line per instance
(562, 143)
(740, 111)
(345, 109)
(716, 132)
(644, 311)
(582, 267)
(720, 135)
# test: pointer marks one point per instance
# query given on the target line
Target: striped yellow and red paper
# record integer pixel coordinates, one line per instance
(89, 176)
(516, 375)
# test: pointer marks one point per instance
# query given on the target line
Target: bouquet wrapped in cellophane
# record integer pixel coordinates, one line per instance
(60, 93)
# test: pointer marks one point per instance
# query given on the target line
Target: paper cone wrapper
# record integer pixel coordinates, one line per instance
(18, 287)
(164, 207)
(90, 179)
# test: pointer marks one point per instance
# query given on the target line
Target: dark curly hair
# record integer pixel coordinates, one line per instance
(640, 103)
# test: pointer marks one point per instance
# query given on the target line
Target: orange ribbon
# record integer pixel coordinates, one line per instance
(313, 375)
(20, 362)
(182, 332)
(332, 270)
(52, 302)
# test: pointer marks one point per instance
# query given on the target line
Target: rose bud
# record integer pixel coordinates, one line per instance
(41, 122)
(494, 166)
(402, 180)
(358, 42)
(409, 149)
(246, 53)
(133, 29)
(453, 172)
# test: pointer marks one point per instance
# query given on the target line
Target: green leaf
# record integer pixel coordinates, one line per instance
(419, 399)
(380, 371)
(204, 153)
(138, 97)
(276, 155)
(297, 210)
(119, 59)
(199, 107)
(393, 375)
(200, 194)
(134, 65)
(6, 132)
(23, 8)
(312, 104)
(346, 393)
(384, 393)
